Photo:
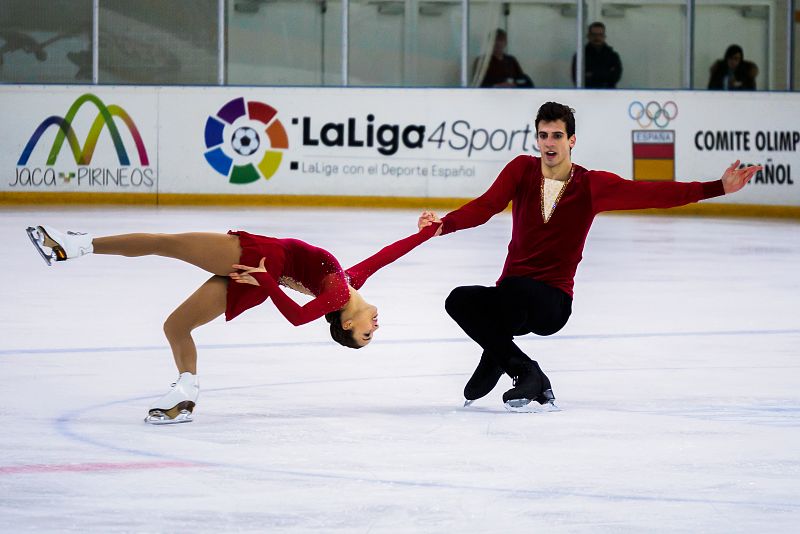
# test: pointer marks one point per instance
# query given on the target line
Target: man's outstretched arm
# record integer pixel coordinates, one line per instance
(610, 192)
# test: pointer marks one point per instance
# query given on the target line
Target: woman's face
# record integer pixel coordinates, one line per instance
(363, 325)
(734, 61)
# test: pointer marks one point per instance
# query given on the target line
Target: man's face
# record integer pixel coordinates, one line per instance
(597, 36)
(554, 145)
(500, 45)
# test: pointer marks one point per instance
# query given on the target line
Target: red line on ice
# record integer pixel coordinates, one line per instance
(89, 467)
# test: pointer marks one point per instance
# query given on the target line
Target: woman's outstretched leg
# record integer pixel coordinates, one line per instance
(203, 306)
(215, 253)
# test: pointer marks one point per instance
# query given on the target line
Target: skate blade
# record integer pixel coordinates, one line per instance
(36, 236)
(528, 406)
(468, 402)
(180, 413)
(157, 417)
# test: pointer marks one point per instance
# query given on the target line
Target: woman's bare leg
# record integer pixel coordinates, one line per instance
(215, 253)
(203, 306)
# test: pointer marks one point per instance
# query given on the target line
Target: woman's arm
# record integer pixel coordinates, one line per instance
(330, 300)
(361, 271)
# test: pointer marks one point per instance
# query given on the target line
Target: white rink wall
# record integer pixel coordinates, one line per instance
(358, 142)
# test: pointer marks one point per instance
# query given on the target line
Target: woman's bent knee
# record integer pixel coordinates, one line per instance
(175, 327)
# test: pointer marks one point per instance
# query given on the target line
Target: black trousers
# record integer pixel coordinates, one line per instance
(492, 316)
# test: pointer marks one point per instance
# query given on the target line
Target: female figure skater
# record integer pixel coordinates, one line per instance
(237, 286)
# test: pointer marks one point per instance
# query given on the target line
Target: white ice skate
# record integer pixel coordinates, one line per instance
(54, 245)
(178, 403)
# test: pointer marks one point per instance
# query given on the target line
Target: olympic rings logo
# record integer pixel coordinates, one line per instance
(653, 113)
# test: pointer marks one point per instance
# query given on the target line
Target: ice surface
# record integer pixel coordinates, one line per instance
(678, 377)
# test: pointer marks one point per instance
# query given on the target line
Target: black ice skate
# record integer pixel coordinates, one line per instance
(530, 384)
(54, 245)
(483, 380)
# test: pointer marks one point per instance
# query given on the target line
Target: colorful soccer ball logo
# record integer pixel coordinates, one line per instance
(245, 141)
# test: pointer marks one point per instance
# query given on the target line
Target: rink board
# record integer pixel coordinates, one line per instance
(219, 144)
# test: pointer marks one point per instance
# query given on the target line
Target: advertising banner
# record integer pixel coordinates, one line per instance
(68, 139)
(421, 143)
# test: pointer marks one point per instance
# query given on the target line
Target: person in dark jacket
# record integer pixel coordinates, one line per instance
(602, 66)
(503, 70)
(733, 72)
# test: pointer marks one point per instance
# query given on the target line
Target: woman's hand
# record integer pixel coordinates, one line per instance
(428, 218)
(734, 178)
(245, 277)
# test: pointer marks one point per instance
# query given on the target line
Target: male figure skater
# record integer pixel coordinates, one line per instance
(554, 202)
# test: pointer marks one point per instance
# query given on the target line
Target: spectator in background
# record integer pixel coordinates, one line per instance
(602, 66)
(733, 73)
(503, 70)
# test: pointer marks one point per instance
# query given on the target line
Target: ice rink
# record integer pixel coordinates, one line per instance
(678, 375)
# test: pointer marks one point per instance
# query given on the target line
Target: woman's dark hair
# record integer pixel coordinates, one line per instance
(340, 335)
(733, 50)
(553, 111)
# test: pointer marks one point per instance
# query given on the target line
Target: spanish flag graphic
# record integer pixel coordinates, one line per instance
(653, 155)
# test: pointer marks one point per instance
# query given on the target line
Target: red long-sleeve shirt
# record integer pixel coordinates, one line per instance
(550, 251)
(312, 270)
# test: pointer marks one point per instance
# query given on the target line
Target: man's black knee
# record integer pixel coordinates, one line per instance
(457, 301)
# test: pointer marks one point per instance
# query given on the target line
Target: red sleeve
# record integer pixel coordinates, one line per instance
(361, 271)
(610, 192)
(492, 202)
(326, 302)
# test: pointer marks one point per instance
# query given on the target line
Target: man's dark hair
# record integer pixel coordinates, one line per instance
(597, 25)
(500, 33)
(553, 111)
(340, 335)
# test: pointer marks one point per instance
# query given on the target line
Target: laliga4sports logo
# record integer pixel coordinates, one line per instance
(245, 141)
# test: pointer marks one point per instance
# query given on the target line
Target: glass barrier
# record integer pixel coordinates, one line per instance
(46, 41)
(284, 42)
(401, 43)
(160, 42)
(796, 62)
(539, 36)
(733, 46)
(650, 39)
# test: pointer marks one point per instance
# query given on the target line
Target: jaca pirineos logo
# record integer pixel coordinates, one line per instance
(245, 141)
(82, 174)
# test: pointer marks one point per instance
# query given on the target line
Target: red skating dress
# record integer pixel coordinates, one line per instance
(309, 269)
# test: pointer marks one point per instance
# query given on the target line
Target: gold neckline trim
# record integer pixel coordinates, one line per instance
(558, 197)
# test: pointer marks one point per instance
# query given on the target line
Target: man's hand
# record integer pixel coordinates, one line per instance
(245, 277)
(428, 218)
(734, 179)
